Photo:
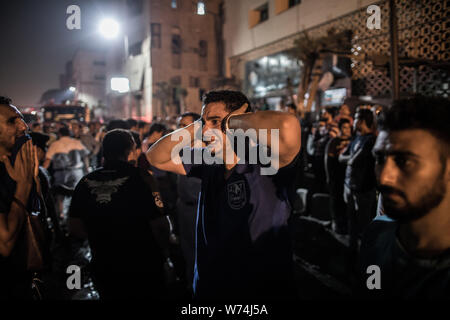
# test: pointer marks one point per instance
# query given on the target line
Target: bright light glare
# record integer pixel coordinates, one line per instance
(201, 8)
(109, 28)
(121, 85)
(72, 89)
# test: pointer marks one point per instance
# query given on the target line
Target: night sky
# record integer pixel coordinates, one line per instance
(36, 44)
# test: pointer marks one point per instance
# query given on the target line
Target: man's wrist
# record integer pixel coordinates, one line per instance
(22, 193)
(225, 125)
(20, 204)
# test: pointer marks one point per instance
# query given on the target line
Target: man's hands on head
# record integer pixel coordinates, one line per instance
(241, 110)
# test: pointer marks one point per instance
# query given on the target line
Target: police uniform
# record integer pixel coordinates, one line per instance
(243, 248)
(116, 205)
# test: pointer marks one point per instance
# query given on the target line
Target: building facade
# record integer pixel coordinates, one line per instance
(172, 55)
(260, 36)
(89, 77)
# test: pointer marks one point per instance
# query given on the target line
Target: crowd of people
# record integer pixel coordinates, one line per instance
(153, 215)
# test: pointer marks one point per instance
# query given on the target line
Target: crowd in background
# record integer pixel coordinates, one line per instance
(336, 159)
(336, 153)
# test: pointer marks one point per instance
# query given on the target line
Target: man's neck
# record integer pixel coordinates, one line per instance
(428, 236)
(230, 166)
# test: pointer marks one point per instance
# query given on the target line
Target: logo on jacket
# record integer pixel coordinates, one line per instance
(237, 197)
(158, 201)
(104, 189)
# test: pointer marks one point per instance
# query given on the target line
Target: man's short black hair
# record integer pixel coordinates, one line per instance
(292, 106)
(427, 113)
(117, 144)
(117, 124)
(342, 122)
(64, 131)
(5, 101)
(233, 99)
(366, 115)
(141, 124)
(195, 116)
(131, 123)
(157, 127)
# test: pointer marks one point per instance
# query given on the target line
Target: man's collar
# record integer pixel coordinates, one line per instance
(114, 164)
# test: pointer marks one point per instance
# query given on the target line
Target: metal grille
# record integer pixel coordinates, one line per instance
(424, 32)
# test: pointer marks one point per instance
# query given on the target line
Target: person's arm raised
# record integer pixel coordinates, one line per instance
(289, 139)
(164, 153)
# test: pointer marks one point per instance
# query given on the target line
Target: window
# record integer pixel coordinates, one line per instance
(176, 44)
(258, 15)
(283, 5)
(175, 81)
(203, 55)
(173, 4)
(294, 3)
(264, 13)
(135, 49)
(156, 35)
(134, 7)
(176, 51)
(100, 78)
(203, 48)
(194, 82)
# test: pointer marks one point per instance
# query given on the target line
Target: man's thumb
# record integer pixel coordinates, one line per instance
(7, 163)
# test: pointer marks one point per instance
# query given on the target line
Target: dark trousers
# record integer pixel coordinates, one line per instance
(361, 210)
(319, 175)
(338, 210)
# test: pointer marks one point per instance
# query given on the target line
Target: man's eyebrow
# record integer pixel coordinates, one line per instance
(212, 117)
(395, 153)
(14, 117)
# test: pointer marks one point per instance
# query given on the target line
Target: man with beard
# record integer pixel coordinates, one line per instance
(17, 180)
(411, 244)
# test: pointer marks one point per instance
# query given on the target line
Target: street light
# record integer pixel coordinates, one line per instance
(120, 84)
(109, 28)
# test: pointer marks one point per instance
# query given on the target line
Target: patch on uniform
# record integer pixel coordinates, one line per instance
(104, 189)
(237, 197)
(158, 200)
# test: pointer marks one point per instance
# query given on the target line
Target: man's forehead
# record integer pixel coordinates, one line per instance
(8, 111)
(416, 141)
(186, 119)
(214, 109)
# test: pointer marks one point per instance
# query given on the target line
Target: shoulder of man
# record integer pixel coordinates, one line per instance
(379, 235)
(152, 185)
